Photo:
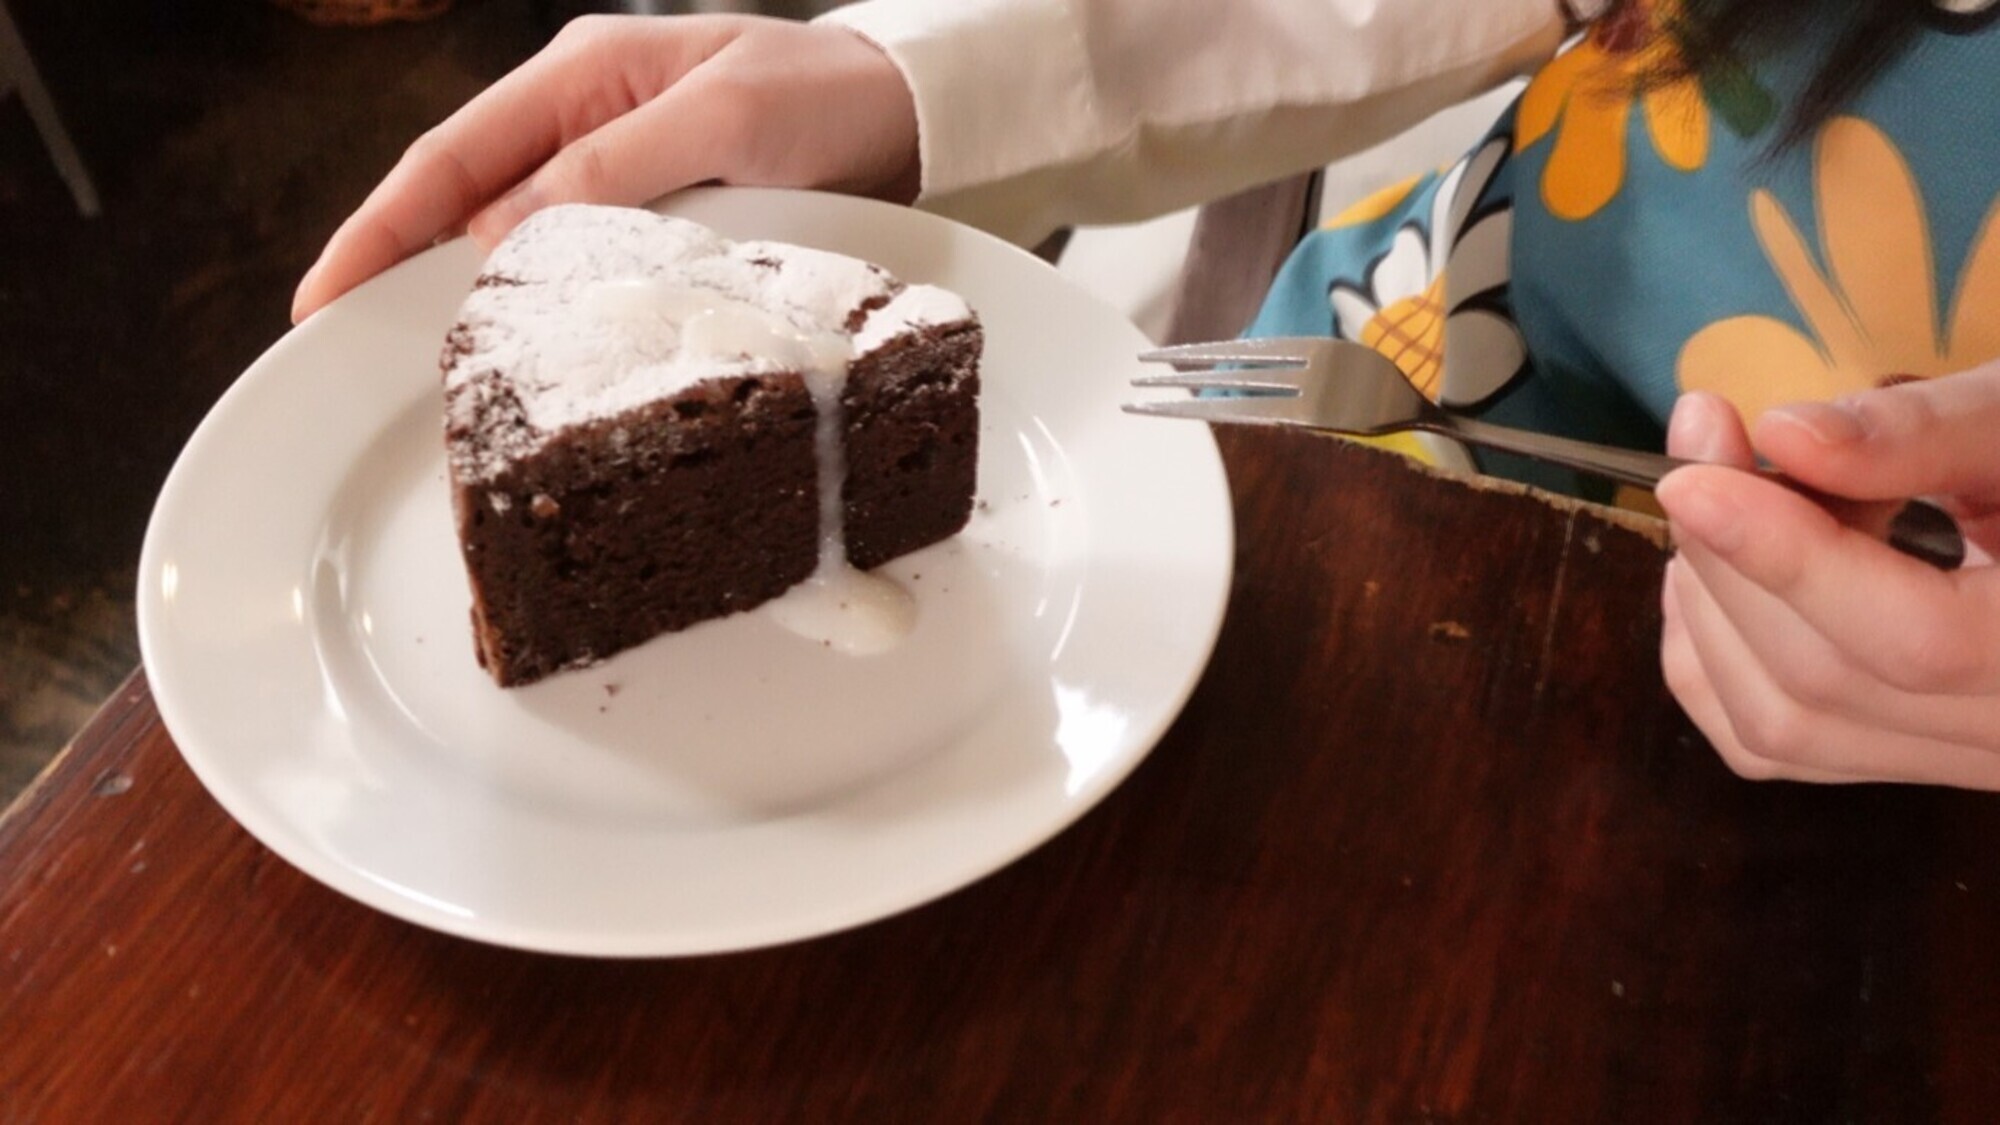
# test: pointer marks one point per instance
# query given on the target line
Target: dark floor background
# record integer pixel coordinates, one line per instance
(227, 138)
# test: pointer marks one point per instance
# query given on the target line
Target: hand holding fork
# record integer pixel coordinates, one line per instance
(1337, 386)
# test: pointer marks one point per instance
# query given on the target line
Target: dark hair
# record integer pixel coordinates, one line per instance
(1717, 35)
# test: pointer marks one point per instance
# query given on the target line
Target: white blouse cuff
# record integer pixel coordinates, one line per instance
(1001, 86)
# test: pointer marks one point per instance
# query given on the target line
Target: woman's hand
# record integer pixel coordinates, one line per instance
(1808, 650)
(624, 109)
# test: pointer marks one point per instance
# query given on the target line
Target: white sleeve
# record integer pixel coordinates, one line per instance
(1036, 113)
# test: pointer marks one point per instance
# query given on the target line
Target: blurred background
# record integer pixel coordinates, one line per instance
(224, 140)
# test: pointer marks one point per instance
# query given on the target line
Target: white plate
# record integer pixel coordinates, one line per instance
(303, 618)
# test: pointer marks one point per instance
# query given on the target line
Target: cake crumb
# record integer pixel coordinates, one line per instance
(1618, 989)
(1449, 631)
(1056, 503)
(544, 506)
(1370, 588)
(611, 689)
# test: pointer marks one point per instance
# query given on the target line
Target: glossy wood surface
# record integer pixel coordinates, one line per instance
(1429, 843)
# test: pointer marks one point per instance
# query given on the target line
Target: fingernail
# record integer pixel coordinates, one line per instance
(1830, 423)
(1691, 430)
(298, 295)
(1673, 589)
(492, 224)
(1699, 511)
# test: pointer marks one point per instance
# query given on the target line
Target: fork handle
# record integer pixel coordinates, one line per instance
(1918, 528)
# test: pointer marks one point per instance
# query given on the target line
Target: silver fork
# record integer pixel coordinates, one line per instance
(1337, 386)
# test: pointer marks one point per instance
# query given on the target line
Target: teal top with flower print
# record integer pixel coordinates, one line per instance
(1617, 240)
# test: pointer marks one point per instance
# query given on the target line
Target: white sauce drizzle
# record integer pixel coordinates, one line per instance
(849, 610)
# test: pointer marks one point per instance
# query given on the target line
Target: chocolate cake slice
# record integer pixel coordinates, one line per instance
(649, 426)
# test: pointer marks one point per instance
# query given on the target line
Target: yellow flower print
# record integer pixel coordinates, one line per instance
(1873, 311)
(1417, 302)
(1590, 89)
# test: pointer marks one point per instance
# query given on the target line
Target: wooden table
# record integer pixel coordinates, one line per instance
(1429, 843)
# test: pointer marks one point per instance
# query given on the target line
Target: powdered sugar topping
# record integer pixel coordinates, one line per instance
(587, 312)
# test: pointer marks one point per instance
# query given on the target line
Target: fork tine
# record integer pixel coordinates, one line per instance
(1274, 350)
(1290, 379)
(1264, 410)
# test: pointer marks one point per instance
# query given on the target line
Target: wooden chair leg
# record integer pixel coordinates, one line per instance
(17, 70)
(1238, 244)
